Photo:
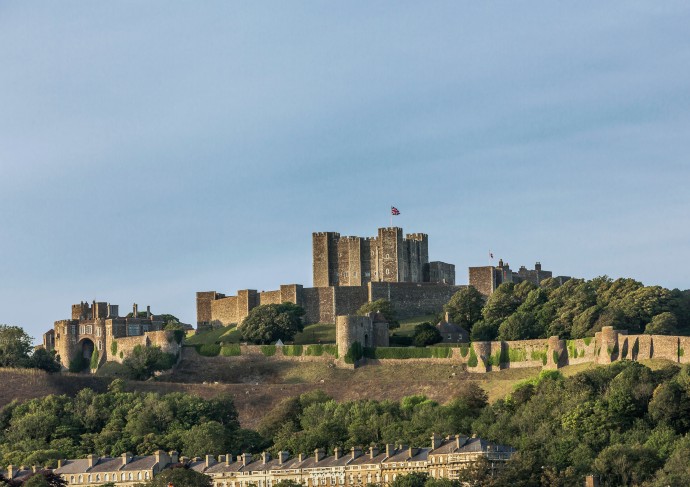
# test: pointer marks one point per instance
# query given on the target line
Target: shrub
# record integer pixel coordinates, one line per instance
(268, 350)
(519, 355)
(587, 340)
(113, 347)
(314, 350)
(78, 363)
(208, 350)
(539, 355)
(94, 359)
(292, 350)
(354, 353)
(472, 362)
(331, 350)
(231, 350)
(401, 341)
(464, 350)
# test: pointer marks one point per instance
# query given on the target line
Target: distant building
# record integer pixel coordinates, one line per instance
(445, 458)
(450, 332)
(487, 278)
(99, 327)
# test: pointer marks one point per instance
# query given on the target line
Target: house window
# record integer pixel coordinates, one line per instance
(81, 479)
(139, 476)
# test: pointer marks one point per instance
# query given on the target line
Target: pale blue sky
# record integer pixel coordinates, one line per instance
(149, 150)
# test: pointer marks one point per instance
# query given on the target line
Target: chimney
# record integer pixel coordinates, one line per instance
(135, 310)
(412, 451)
(373, 451)
(355, 452)
(319, 454)
(126, 457)
(460, 441)
(92, 460)
(337, 453)
(148, 312)
(34, 468)
(10, 472)
(246, 459)
(158, 454)
(174, 456)
(210, 460)
(446, 317)
(436, 441)
(60, 463)
(390, 450)
(265, 457)
(283, 457)
(300, 457)
(228, 458)
(184, 460)
(221, 458)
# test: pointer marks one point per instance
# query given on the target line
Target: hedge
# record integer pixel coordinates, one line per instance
(407, 353)
(209, 350)
(354, 353)
(314, 350)
(231, 350)
(268, 350)
(472, 361)
(292, 350)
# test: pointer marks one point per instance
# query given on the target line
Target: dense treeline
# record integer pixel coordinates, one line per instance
(16, 350)
(575, 309)
(40, 431)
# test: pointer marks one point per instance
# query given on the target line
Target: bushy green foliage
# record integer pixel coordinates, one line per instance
(578, 309)
(354, 353)
(230, 350)
(78, 362)
(292, 350)
(143, 362)
(16, 350)
(94, 359)
(305, 423)
(180, 477)
(472, 361)
(426, 334)
(272, 322)
(465, 307)
(268, 350)
(113, 347)
(517, 355)
(319, 349)
(208, 350)
(40, 431)
(176, 328)
(382, 306)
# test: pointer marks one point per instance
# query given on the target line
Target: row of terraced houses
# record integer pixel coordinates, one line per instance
(445, 458)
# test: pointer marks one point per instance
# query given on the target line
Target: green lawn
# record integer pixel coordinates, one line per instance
(212, 336)
(407, 326)
(317, 333)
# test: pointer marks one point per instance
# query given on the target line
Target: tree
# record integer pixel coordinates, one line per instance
(44, 360)
(426, 334)
(382, 306)
(203, 439)
(15, 346)
(465, 307)
(484, 331)
(180, 477)
(414, 479)
(662, 324)
(144, 361)
(271, 322)
(45, 478)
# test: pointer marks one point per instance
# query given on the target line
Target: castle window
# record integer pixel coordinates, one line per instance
(73, 329)
(98, 332)
(89, 329)
(388, 271)
(81, 329)
(388, 256)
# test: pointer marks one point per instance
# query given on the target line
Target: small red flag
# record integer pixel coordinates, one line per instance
(394, 211)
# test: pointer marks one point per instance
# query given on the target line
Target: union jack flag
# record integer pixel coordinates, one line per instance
(394, 211)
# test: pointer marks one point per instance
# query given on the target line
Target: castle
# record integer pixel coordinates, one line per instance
(349, 272)
(356, 261)
(487, 278)
(98, 327)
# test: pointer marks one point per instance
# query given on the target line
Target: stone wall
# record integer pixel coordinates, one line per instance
(319, 305)
(413, 298)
